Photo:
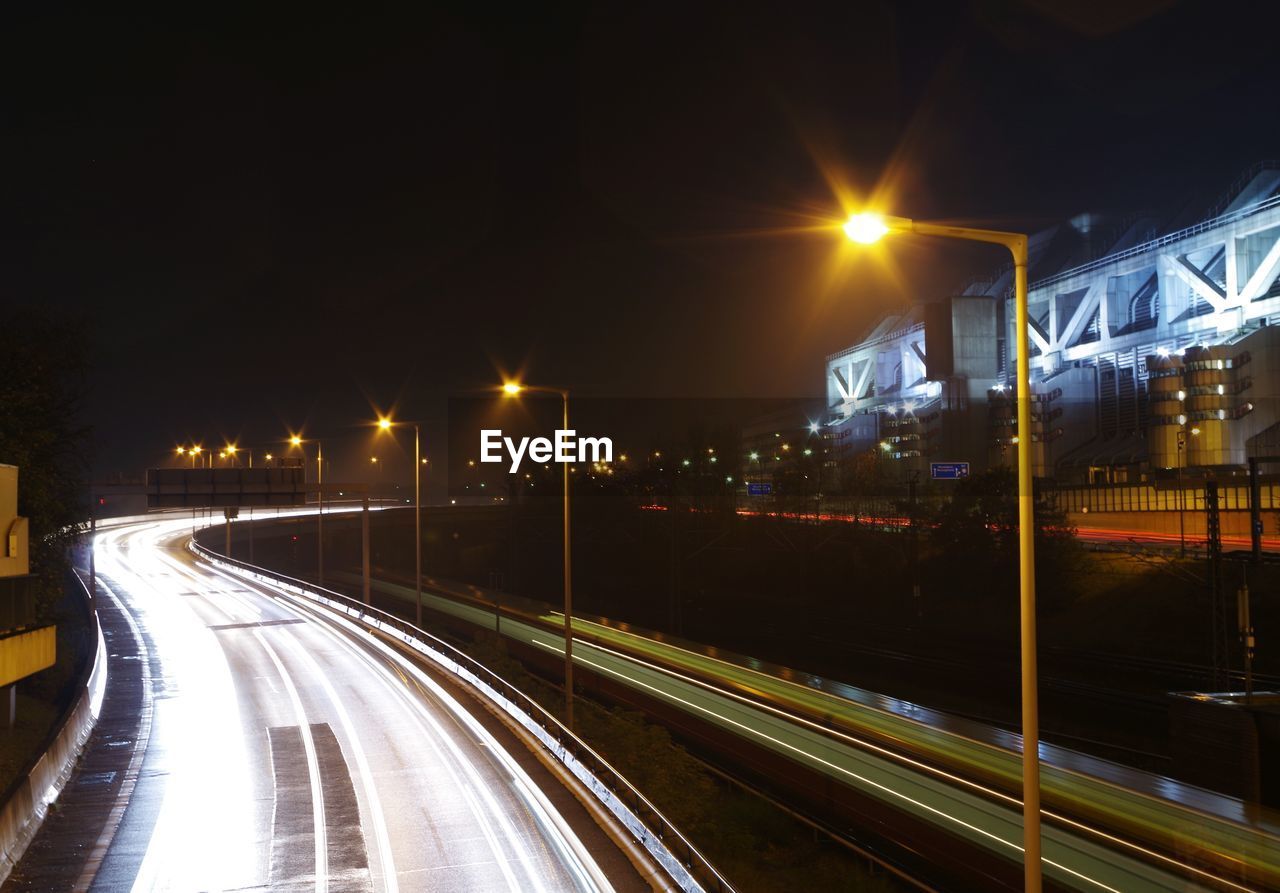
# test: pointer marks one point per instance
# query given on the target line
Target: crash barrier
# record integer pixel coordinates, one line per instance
(687, 868)
(30, 797)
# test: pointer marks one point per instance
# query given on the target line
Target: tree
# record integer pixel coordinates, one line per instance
(974, 539)
(43, 374)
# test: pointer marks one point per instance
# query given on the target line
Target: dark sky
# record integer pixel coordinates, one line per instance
(266, 220)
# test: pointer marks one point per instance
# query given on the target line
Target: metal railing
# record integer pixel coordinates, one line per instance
(1169, 238)
(883, 339)
(679, 858)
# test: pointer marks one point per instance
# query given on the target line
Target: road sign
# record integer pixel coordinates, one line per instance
(759, 489)
(948, 471)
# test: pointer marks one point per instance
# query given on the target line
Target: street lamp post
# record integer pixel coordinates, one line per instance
(385, 424)
(868, 228)
(512, 389)
(296, 441)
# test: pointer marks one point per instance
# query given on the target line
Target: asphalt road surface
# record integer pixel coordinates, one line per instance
(285, 752)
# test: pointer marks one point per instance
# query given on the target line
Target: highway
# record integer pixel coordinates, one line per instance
(1101, 834)
(283, 751)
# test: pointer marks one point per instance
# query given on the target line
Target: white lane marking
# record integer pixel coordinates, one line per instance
(313, 767)
(390, 881)
(573, 854)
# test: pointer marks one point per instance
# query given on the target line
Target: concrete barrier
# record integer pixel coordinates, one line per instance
(28, 804)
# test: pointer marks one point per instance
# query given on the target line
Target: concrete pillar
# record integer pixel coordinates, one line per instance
(10, 705)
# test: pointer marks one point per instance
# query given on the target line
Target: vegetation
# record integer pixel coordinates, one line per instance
(43, 375)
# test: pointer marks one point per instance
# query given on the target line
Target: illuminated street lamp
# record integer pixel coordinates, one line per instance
(385, 424)
(195, 452)
(514, 389)
(868, 228)
(296, 440)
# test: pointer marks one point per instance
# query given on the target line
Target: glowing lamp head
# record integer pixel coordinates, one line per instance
(231, 450)
(865, 228)
(511, 389)
(181, 450)
(295, 440)
(197, 449)
(384, 423)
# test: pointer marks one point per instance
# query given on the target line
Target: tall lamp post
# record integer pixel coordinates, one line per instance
(869, 228)
(513, 389)
(297, 441)
(385, 424)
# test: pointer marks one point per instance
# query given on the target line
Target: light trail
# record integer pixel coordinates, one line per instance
(238, 660)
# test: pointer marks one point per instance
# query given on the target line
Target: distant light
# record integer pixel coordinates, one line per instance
(1222, 389)
(453, 502)
(813, 427)
(1013, 439)
(197, 449)
(1000, 387)
(1182, 395)
(384, 423)
(1222, 413)
(884, 445)
(295, 440)
(728, 479)
(511, 388)
(622, 458)
(786, 446)
(1162, 352)
(713, 459)
(270, 457)
(1195, 431)
(685, 463)
(181, 450)
(865, 228)
(808, 452)
(373, 459)
(755, 457)
(1182, 419)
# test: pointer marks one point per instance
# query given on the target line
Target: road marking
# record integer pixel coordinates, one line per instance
(313, 768)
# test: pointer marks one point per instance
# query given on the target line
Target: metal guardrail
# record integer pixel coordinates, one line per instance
(683, 863)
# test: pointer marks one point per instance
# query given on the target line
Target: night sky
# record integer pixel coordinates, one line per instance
(271, 220)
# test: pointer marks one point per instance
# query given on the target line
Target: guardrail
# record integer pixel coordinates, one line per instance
(29, 801)
(680, 859)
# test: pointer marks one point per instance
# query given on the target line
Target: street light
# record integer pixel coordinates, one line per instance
(385, 424)
(514, 389)
(867, 228)
(295, 440)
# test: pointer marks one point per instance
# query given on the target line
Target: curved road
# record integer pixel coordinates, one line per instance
(283, 752)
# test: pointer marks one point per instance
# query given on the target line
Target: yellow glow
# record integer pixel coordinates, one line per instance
(511, 388)
(384, 423)
(181, 450)
(295, 440)
(231, 450)
(865, 228)
(373, 459)
(196, 449)
(270, 457)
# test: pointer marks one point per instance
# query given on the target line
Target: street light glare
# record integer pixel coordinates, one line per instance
(865, 228)
(295, 440)
(511, 388)
(384, 423)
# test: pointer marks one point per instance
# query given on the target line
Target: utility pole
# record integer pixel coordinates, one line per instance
(364, 546)
(1245, 624)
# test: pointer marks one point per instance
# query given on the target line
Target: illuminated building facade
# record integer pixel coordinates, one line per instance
(1154, 345)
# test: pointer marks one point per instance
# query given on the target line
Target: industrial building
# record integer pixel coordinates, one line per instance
(1154, 346)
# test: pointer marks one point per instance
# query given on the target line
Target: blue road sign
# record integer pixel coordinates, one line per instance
(948, 471)
(759, 489)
